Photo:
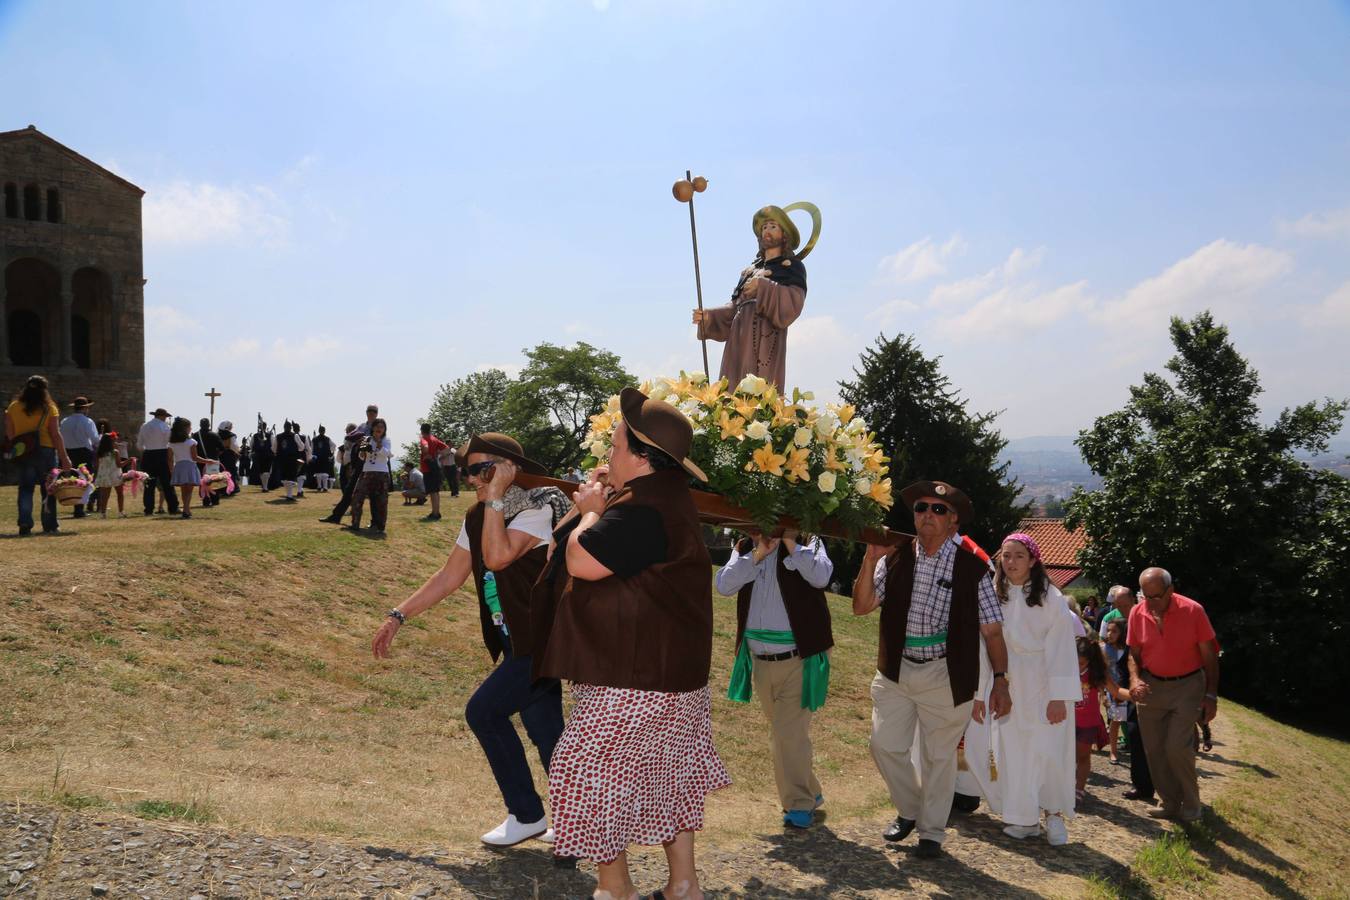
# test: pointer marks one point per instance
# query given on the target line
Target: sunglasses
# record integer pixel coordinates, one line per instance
(479, 468)
(938, 509)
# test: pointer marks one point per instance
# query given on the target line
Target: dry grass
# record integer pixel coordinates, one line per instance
(222, 664)
(219, 670)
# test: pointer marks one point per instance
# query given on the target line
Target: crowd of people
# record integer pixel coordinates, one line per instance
(990, 683)
(167, 462)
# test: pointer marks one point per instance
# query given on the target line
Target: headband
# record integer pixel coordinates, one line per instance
(1027, 541)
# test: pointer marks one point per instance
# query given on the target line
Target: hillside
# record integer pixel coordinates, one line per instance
(216, 673)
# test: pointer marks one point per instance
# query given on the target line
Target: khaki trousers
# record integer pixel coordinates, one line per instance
(922, 700)
(1167, 727)
(779, 687)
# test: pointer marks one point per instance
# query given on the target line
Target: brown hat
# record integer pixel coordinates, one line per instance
(80, 403)
(663, 426)
(943, 491)
(502, 445)
(161, 411)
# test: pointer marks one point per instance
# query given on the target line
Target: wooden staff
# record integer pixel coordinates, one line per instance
(684, 191)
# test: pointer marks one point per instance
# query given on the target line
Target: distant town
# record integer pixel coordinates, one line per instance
(1050, 467)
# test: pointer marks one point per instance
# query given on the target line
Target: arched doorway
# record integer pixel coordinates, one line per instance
(91, 319)
(32, 312)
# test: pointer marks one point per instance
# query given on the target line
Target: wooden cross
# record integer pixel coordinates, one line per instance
(213, 394)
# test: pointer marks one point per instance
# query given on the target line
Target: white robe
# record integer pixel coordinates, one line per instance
(1035, 760)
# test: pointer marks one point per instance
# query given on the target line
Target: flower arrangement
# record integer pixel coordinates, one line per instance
(773, 456)
(69, 485)
(135, 478)
(216, 481)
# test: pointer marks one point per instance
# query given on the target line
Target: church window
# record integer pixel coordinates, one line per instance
(11, 201)
(25, 338)
(32, 203)
(53, 205)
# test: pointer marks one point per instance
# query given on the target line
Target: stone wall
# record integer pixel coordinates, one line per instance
(79, 278)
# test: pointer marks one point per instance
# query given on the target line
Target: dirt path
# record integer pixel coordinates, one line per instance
(47, 852)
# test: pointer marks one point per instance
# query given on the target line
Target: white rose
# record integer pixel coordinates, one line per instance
(825, 425)
(863, 486)
(757, 431)
(802, 437)
(752, 384)
(660, 390)
(826, 482)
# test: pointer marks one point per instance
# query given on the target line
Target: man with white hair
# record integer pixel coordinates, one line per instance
(1121, 600)
(1174, 679)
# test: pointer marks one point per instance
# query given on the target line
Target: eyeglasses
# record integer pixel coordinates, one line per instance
(938, 509)
(479, 468)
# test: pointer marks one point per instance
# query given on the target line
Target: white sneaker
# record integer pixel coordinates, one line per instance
(1056, 832)
(548, 837)
(1022, 832)
(513, 831)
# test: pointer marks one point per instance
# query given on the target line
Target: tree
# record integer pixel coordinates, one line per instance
(550, 405)
(1193, 482)
(468, 406)
(926, 429)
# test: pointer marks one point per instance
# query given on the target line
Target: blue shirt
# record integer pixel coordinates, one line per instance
(767, 611)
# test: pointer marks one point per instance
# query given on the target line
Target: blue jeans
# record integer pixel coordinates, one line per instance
(507, 691)
(33, 470)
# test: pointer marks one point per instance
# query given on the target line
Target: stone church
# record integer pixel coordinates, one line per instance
(72, 300)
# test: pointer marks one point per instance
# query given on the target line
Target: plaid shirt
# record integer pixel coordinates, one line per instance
(931, 604)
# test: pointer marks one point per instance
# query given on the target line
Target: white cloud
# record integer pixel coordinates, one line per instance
(1216, 276)
(512, 370)
(1013, 309)
(1333, 312)
(820, 352)
(301, 354)
(243, 347)
(1335, 224)
(166, 321)
(920, 260)
(892, 311)
(184, 212)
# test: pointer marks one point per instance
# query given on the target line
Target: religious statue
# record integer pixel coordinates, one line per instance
(768, 298)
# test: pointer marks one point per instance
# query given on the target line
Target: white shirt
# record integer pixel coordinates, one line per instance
(182, 451)
(378, 459)
(415, 482)
(535, 522)
(154, 435)
(79, 432)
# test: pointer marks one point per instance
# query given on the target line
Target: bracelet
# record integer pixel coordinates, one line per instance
(396, 614)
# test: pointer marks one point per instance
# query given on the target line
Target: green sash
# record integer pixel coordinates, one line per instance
(815, 670)
(930, 640)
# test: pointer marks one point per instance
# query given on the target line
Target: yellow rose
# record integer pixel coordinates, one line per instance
(802, 437)
(826, 482)
(863, 486)
(752, 384)
(757, 431)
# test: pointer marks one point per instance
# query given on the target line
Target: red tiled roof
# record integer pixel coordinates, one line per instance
(1062, 576)
(1059, 546)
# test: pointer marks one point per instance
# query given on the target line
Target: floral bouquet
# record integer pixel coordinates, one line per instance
(69, 485)
(775, 457)
(135, 478)
(216, 482)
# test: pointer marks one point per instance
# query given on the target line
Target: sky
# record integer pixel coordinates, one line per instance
(356, 202)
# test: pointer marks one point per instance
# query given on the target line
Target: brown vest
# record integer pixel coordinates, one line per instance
(513, 589)
(963, 626)
(807, 610)
(651, 631)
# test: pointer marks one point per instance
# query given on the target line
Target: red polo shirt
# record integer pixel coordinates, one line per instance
(431, 448)
(1172, 649)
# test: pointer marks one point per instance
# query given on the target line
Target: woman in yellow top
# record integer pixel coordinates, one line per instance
(33, 410)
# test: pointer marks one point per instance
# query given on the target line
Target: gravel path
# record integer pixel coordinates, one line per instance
(47, 852)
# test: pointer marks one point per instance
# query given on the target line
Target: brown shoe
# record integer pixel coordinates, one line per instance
(1164, 812)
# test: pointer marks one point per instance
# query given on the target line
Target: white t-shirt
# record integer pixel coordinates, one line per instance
(536, 522)
(182, 450)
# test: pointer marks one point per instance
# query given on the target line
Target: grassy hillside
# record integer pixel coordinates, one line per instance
(218, 670)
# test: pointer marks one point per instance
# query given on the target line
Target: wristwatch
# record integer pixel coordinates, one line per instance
(498, 505)
(1003, 675)
(397, 614)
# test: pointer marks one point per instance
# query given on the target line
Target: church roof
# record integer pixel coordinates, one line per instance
(1059, 547)
(31, 133)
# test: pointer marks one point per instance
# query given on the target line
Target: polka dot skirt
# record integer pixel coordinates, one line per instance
(632, 767)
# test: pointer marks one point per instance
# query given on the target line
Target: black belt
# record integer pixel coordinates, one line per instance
(1171, 677)
(912, 659)
(777, 657)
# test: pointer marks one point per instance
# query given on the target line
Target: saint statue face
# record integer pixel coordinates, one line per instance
(770, 235)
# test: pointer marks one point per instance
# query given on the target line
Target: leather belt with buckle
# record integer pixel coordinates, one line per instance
(777, 657)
